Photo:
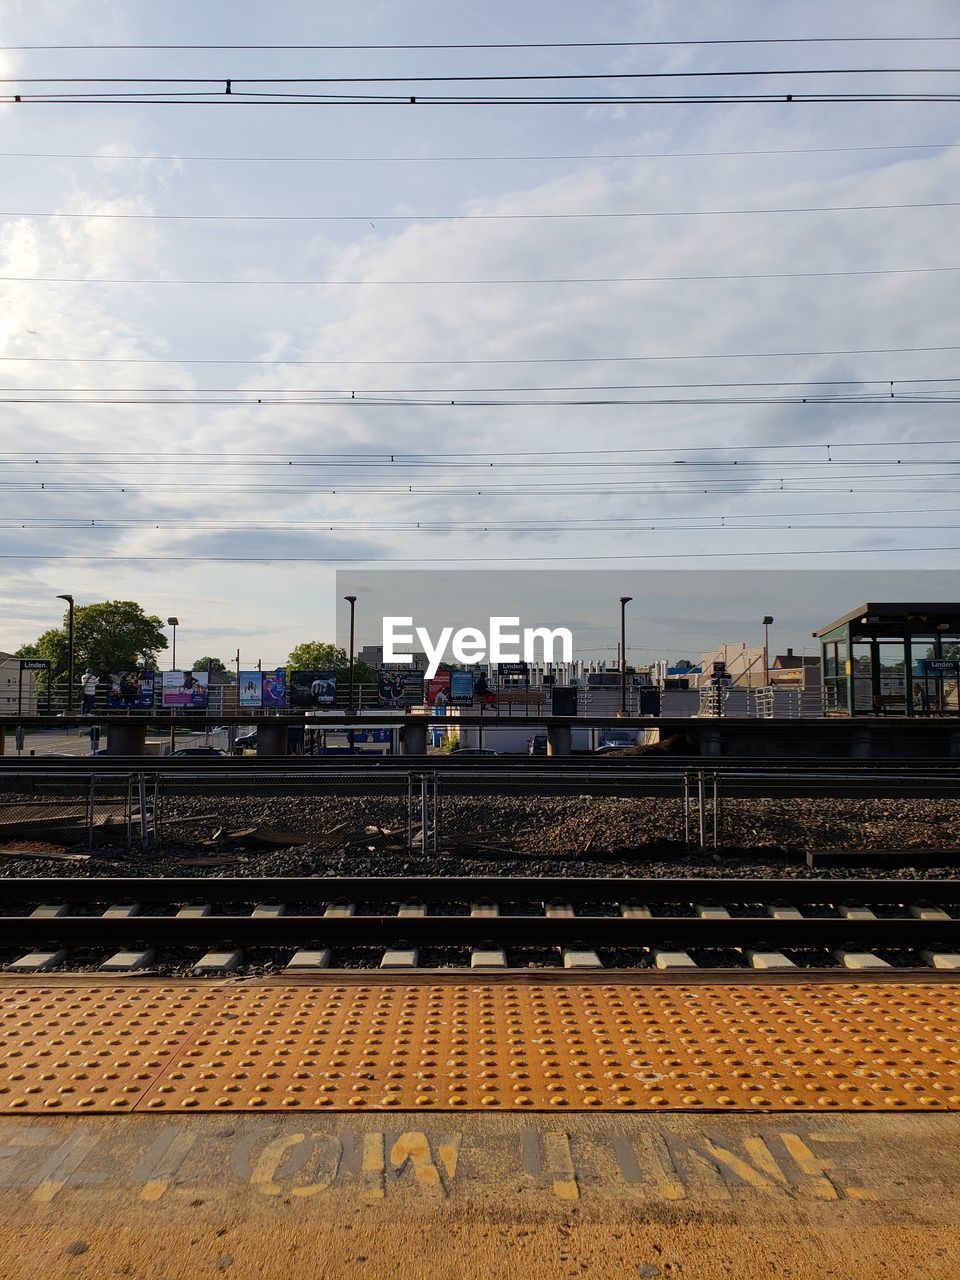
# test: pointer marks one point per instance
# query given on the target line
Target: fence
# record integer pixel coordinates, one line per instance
(483, 812)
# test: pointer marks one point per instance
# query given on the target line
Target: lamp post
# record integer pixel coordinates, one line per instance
(767, 622)
(69, 600)
(624, 601)
(352, 601)
(173, 622)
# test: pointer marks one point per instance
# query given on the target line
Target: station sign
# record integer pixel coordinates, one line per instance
(943, 665)
(34, 664)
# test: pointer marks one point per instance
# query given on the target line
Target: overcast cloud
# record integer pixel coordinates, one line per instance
(197, 503)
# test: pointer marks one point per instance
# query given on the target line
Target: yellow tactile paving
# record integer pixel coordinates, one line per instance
(396, 1046)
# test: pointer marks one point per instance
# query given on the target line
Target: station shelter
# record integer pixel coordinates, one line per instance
(892, 659)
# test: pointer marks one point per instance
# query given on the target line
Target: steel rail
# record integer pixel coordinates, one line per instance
(465, 931)
(446, 889)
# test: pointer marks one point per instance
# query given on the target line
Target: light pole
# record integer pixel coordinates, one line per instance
(173, 622)
(69, 600)
(624, 601)
(767, 622)
(352, 601)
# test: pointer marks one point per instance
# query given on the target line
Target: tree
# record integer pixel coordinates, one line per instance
(208, 664)
(315, 655)
(115, 635)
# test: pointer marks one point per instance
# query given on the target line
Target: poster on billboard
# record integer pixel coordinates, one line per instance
(274, 688)
(251, 689)
(128, 689)
(438, 690)
(461, 688)
(400, 687)
(313, 688)
(185, 689)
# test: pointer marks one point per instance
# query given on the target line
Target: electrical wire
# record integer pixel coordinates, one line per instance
(508, 280)
(529, 44)
(481, 217)
(475, 159)
(566, 558)
(502, 360)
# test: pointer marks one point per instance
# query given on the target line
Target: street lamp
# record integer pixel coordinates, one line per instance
(352, 601)
(174, 622)
(767, 622)
(69, 600)
(624, 601)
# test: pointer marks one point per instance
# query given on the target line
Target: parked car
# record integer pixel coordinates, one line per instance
(246, 739)
(473, 751)
(198, 751)
(537, 745)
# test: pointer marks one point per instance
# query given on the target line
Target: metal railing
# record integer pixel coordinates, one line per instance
(580, 813)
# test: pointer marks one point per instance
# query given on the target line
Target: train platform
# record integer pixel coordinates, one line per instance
(424, 1125)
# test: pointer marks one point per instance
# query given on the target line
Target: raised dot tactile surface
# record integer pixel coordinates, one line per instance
(472, 1047)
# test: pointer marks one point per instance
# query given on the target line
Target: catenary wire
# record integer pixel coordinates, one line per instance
(474, 159)
(505, 360)
(506, 280)
(480, 217)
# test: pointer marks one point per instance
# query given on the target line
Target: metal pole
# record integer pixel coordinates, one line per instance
(352, 601)
(174, 623)
(624, 601)
(70, 640)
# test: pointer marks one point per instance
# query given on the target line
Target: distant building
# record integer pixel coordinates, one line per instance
(744, 665)
(372, 655)
(796, 670)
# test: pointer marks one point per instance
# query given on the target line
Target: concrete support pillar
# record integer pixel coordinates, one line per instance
(414, 738)
(558, 740)
(127, 739)
(861, 746)
(711, 741)
(271, 739)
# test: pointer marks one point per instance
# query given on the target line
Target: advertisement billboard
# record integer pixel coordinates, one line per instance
(400, 687)
(461, 688)
(274, 688)
(251, 689)
(437, 690)
(313, 688)
(188, 689)
(129, 689)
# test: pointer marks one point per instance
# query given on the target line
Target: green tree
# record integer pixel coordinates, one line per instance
(315, 655)
(208, 664)
(115, 635)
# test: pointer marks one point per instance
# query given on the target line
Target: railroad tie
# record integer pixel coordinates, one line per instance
(307, 959)
(218, 962)
(38, 961)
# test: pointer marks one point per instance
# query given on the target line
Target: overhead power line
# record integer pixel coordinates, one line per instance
(196, 558)
(476, 217)
(672, 451)
(474, 159)
(228, 96)
(526, 44)
(506, 280)
(236, 83)
(504, 360)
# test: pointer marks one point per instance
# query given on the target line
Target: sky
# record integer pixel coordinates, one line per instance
(643, 392)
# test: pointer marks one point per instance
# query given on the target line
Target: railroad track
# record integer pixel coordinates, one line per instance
(216, 925)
